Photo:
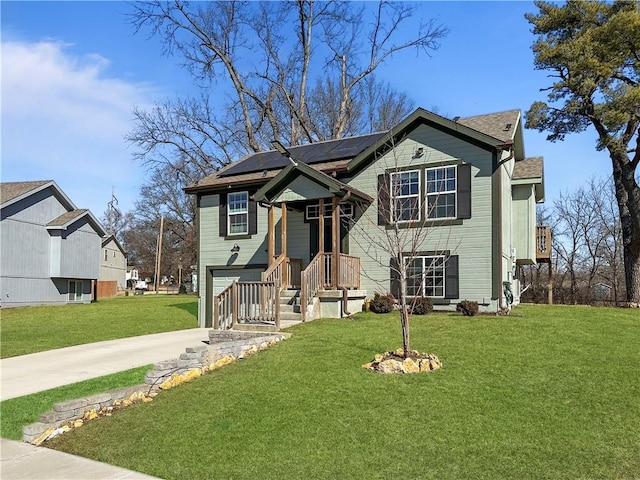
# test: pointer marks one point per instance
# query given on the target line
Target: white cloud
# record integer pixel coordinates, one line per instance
(64, 117)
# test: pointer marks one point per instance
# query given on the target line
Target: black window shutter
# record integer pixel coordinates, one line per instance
(384, 207)
(395, 277)
(223, 215)
(253, 217)
(451, 282)
(464, 190)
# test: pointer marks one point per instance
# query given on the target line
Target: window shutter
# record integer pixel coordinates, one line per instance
(384, 207)
(395, 277)
(223, 215)
(451, 281)
(253, 217)
(464, 190)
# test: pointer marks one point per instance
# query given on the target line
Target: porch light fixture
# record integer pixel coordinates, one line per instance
(283, 151)
(235, 248)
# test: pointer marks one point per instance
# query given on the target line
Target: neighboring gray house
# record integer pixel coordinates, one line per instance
(315, 223)
(49, 249)
(113, 262)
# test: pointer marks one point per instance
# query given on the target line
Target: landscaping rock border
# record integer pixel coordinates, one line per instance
(224, 347)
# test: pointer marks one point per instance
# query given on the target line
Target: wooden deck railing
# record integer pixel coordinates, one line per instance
(543, 243)
(349, 271)
(317, 276)
(247, 302)
(312, 279)
(275, 271)
(284, 272)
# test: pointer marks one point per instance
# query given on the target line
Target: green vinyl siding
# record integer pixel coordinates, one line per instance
(469, 239)
(524, 219)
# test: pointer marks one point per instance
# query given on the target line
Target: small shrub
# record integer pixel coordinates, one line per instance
(422, 306)
(381, 303)
(183, 289)
(468, 308)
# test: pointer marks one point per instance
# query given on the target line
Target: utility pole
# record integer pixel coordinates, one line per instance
(159, 253)
(112, 207)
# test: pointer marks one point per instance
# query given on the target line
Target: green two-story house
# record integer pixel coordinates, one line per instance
(324, 224)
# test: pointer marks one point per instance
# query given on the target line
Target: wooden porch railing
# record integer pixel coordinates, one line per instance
(317, 276)
(349, 271)
(247, 302)
(275, 271)
(284, 272)
(543, 244)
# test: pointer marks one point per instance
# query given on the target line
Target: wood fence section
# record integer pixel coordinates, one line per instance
(107, 288)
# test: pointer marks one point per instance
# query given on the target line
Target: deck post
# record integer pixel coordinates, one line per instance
(550, 284)
(271, 235)
(335, 240)
(321, 238)
(234, 304)
(216, 313)
(277, 307)
(283, 248)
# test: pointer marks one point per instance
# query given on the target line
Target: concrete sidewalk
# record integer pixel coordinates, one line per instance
(42, 371)
(45, 370)
(22, 461)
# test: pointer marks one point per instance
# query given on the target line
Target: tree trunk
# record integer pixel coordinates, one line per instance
(404, 309)
(628, 197)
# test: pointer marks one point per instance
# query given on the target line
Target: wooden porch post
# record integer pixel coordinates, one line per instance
(550, 284)
(283, 248)
(271, 234)
(335, 240)
(321, 242)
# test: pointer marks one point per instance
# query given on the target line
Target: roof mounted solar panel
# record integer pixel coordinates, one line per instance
(311, 153)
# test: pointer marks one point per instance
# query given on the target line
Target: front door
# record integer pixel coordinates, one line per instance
(314, 244)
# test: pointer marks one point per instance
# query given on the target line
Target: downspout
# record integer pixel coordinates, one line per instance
(501, 297)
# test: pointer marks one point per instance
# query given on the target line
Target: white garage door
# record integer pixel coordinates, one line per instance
(223, 278)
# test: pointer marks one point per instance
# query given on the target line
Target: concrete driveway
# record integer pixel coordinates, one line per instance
(41, 371)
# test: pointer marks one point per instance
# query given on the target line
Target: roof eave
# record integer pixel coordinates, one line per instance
(421, 114)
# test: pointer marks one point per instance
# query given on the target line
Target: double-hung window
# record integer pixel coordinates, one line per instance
(441, 192)
(405, 196)
(238, 213)
(426, 276)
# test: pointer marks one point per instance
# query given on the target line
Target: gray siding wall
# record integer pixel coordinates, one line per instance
(470, 239)
(25, 254)
(115, 267)
(80, 252)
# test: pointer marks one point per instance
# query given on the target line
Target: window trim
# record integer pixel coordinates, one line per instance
(437, 194)
(393, 197)
(328, 207)
(409, 258)
(229, 214)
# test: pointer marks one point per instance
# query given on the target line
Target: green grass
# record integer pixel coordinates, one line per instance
(36, 329)
(549, 392)
(15, 413)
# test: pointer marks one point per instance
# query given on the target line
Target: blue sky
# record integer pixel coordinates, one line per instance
(72, 72)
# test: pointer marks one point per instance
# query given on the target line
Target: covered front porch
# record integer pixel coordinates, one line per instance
(319, 210)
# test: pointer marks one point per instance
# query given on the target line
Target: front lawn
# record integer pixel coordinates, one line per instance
(21, 411)
(35, 329)
(549, 392)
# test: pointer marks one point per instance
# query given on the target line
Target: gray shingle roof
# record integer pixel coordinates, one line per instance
(67, 217)
(528, 168)
(500, 125)
(11, 190)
